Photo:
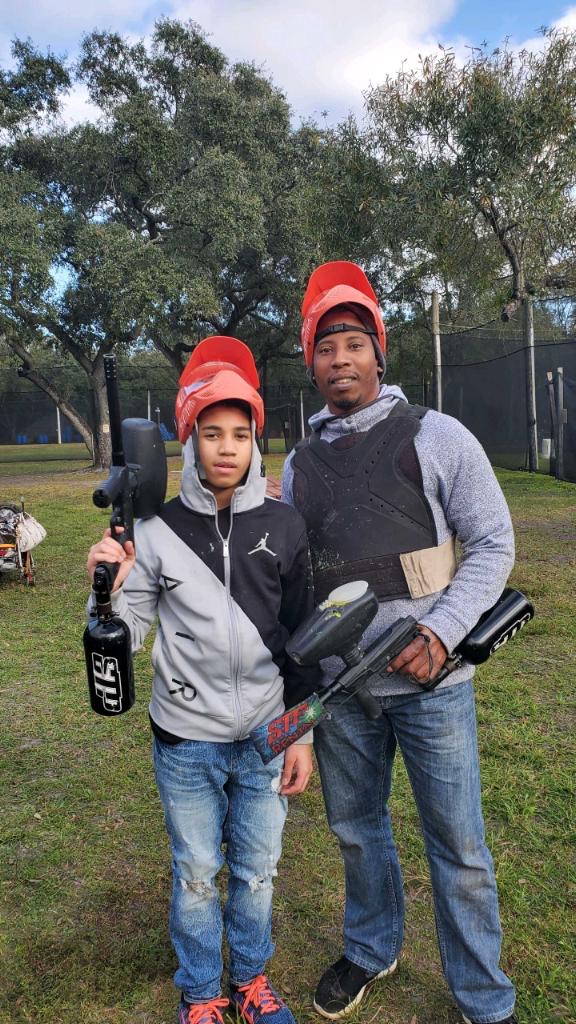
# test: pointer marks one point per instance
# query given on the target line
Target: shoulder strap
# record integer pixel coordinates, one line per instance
(402, 408)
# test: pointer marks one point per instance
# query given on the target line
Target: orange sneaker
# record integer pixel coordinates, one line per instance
(202, 1013)
(258, 1003)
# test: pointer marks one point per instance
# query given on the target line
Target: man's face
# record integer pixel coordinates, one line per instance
(345, 365)
(225, 447)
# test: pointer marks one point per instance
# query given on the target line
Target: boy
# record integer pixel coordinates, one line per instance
(226, 570)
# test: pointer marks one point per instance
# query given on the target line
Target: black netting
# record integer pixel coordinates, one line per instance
(484, 386)
(29, 416)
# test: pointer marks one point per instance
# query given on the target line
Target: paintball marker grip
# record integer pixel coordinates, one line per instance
(495, 628)
(367, 702)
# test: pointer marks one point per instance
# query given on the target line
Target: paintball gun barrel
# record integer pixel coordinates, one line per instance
(135, 488)
(336, 626)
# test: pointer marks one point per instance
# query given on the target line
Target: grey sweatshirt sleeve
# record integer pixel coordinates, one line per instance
(467, 501)
(287, 479)
(137, 599)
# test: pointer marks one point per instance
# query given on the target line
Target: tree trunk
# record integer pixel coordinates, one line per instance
(102, 440)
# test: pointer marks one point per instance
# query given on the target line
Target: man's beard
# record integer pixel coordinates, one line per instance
(345, 404)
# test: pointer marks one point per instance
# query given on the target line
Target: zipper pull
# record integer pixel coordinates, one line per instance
(225, 550)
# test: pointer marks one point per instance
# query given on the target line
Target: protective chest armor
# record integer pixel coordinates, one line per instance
(364, 505)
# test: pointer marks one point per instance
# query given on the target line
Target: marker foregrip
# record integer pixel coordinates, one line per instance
(367, 702)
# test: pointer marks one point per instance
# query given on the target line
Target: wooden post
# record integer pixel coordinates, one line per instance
(530, 385)
(437, 351)
(561, 420)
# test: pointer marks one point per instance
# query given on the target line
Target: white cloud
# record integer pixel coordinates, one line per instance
(324, 54)
(77, 107)
(65, 21)
(568, 20)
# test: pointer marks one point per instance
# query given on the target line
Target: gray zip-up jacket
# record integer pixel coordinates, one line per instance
(228, 590)
(466, 502)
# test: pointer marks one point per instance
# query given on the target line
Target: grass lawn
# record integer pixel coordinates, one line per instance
(85, 873)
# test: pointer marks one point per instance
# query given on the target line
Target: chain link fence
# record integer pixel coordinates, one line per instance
(29, 416)
(484, 374)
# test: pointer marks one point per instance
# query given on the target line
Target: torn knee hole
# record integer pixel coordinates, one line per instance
(259, 882)
(198, 886)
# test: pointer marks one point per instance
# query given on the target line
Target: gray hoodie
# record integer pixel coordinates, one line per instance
(466, 502)
(228, 589)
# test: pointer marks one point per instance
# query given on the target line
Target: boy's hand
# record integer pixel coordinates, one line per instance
(297, 769)
(109, 550)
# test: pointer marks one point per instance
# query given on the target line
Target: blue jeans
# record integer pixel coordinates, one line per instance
(216, 793)
(436, 733)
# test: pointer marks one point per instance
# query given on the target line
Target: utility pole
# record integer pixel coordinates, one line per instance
(530, 385)
(437, 350)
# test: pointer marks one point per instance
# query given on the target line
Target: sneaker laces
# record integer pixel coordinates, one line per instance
(259, 993)
(207, 1013)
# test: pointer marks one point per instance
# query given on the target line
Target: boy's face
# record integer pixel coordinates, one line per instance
(225, 448)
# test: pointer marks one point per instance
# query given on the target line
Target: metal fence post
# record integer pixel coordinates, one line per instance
(437, 350)
(530, 386)
(561, 420)
(553, 421)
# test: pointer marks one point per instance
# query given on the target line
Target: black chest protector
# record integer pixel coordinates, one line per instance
(364, 505)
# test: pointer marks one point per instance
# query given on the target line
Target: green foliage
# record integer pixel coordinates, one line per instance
(183, 211)
(482, 157)
(32, 89)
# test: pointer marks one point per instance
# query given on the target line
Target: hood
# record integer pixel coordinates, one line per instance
(361, 420)
(197, 497)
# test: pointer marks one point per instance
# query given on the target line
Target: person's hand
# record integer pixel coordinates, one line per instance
(422, 659)
(297, 769)
(273, 487)
(109, 550)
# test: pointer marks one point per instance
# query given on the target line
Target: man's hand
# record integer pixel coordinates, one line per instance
(273, 487)
(421, 659)
(297, 769)
(109, 550)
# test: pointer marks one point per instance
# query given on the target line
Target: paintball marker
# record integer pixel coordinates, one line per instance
(135, 488)
(336, 626)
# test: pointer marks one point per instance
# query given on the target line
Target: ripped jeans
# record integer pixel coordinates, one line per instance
(215, 794)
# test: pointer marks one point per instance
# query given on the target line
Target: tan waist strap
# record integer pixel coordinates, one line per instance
(429, 570)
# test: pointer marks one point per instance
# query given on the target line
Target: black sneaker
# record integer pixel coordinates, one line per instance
(342, 987)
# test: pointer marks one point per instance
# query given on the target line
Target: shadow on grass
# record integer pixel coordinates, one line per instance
(113, 943)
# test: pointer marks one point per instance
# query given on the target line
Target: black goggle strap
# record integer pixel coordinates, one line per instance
(339, 328)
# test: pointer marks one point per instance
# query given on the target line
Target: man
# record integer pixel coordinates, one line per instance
(386, 489)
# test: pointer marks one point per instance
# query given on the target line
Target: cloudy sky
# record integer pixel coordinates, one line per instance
(322, 53)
